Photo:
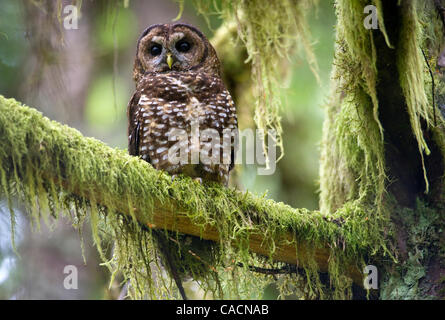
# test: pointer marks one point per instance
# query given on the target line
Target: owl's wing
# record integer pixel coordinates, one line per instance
(133, 125)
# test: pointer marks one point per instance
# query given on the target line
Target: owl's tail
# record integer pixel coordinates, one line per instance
(163, 240)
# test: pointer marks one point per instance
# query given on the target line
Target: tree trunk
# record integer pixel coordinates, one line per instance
(383, 116)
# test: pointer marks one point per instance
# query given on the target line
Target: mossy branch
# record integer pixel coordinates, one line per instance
(41, 159)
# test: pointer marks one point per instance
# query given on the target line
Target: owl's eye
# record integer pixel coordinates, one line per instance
(155, 50)
(183, 46)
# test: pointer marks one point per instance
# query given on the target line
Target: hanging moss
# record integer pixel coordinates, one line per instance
(352, 158)
(411, 66)
(54, 170)
(430, 43)
(271, 31)
(353, 150)
(353, 165)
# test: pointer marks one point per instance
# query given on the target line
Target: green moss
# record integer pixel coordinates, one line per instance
(271, 31)
(54, 171)
(411, 66)
(353, 163)
(353, 168)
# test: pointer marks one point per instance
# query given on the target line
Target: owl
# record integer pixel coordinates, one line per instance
(181, 118)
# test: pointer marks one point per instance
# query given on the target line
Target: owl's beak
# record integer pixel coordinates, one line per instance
(169, 60)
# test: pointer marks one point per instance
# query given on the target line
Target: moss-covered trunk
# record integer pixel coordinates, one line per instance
(418, 216)
(384, 138)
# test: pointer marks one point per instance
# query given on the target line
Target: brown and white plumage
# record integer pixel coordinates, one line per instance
(189, 93)
(182, 100)
(179, 87)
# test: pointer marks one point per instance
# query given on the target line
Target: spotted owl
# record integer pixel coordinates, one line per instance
(180, 93)
(181, 110)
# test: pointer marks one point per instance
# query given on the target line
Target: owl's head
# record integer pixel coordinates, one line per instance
(174, 47)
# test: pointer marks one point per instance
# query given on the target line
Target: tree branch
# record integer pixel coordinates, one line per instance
(37, 154)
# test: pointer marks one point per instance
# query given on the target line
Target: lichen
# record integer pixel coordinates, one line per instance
(407, 280)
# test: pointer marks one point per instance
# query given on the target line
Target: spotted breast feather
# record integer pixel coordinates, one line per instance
(184, 122)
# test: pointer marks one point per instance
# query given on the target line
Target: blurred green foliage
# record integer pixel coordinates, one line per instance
(123, 27)
(13, 47)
